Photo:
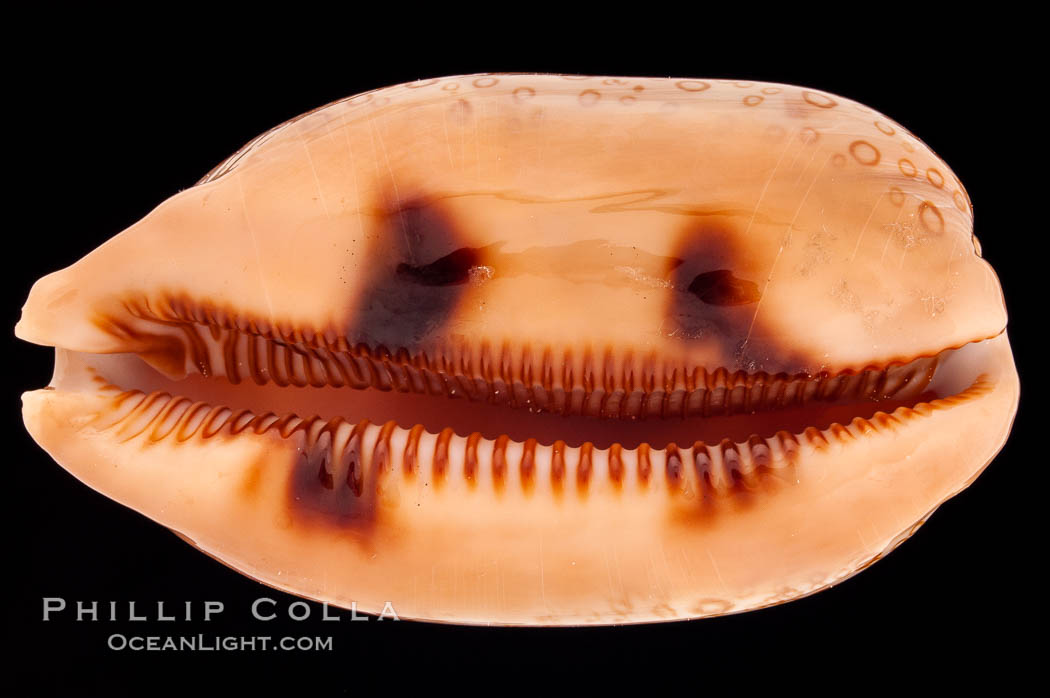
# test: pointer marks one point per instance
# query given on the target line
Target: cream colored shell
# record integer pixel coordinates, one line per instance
(651, 256)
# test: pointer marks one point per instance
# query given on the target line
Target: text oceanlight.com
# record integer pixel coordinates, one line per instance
(216, 643)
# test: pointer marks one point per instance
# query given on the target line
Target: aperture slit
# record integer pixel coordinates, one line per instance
(358, 456)
(517, 377)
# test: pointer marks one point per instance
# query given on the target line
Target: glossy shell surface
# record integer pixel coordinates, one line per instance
(538, 349)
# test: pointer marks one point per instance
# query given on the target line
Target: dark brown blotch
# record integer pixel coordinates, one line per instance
(326, 485)
(417, 270)
(721, 287)
(710, 297)
(454, 268)
(714, 301)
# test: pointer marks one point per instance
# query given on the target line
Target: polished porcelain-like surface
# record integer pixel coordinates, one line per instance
(535, 349)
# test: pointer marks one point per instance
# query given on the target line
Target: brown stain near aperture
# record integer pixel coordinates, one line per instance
(713, 300)
(416, 268)
(452, 269)
(730, 477)
(721, 287)
(329, 484)
(252, 480)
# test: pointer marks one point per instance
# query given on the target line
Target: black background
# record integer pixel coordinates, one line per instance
(107, 125)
